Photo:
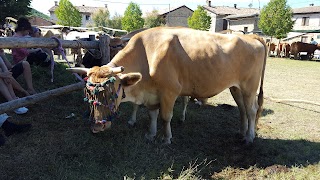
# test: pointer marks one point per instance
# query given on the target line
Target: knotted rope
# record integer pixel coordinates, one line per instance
(61, 50)
(105, 96)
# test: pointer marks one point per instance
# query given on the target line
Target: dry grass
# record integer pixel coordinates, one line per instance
(287, 146)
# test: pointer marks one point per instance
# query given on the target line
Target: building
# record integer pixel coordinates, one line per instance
(85, 11)
(246, 23)
(232, 18)
(176, 16)
(307, 24)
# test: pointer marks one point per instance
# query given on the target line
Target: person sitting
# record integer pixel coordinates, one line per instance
(10, 128)
(313, 42)
(33, 56)
(22, 67)
(36, 32)
(6, 89)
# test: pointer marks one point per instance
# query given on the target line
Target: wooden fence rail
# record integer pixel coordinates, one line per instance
(14, 42)
(7, 106)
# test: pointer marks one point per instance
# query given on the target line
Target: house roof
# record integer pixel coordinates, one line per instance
(306, 10)
(226, 10)
(236, 16)
(292, 35)
(166, 11)
(81, 9)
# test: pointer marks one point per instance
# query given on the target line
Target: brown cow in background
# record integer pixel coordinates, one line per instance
(298, 47)
(283, 50)
(272, 48)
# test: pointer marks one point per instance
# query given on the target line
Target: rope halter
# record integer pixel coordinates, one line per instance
(102, 98)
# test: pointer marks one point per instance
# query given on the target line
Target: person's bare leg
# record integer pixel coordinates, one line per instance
(18, 87)
(5, 91)
(28, 77)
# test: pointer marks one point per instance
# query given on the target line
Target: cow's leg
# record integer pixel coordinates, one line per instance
(251, 106)
(153, 113)
(238, 98)
(166, 113)
(132, 121)
(185, 100)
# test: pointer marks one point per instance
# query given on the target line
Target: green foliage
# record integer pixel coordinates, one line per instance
(115, 21)
(275, 19)
(199, 19)
(13, 8)
(67, 14)
(36, 13)
(101, 18)
(132, 19)
(153, 20)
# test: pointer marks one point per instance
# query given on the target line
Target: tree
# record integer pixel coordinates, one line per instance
(101, 18)
(153, 19)
(115, 21)
(132, 19)
(276, 19)
(67, 14)
(14, 8)
(36, 13)
(199, 20)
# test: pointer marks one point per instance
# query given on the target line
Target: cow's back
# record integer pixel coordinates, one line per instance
(191, 62)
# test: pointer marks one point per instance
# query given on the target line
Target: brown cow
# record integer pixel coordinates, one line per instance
(272, 48)
(283, 50)
(162, 63)
(92, 58)
(298, 47)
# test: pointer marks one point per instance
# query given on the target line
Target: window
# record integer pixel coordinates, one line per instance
(87, 17)
(245, 29)
(304, 39)
(305, 21)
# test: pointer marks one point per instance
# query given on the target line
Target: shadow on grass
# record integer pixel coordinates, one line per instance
(212, 134)
(66, 149)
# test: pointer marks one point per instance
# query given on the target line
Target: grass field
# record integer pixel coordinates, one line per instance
(204, 147)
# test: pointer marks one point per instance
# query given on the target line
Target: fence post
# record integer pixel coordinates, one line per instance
(104, 42)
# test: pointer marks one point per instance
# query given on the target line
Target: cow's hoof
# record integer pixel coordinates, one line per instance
(131, 124)
(166, 141)
(149, 138)
(181, 121)
(246, 141)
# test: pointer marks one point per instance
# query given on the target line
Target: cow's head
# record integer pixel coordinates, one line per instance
(104, 91)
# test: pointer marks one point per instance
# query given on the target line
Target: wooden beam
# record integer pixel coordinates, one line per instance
(105, 52)
(14, 42)
(4, 107)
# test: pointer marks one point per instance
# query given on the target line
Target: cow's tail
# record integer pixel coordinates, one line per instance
(260, 95)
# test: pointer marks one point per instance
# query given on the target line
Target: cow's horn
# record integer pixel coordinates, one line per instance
(78, 70)
(116, 70)
(125, 39)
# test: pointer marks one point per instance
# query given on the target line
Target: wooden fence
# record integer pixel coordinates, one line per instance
(14, 42)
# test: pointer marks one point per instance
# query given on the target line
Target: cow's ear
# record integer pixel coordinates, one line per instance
(130, 79)
(78, 70)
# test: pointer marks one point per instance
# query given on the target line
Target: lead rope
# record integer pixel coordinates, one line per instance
(64, 57)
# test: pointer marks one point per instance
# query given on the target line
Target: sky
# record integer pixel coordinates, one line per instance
(119, 6)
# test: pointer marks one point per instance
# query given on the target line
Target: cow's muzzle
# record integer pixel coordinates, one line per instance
(99, 126)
